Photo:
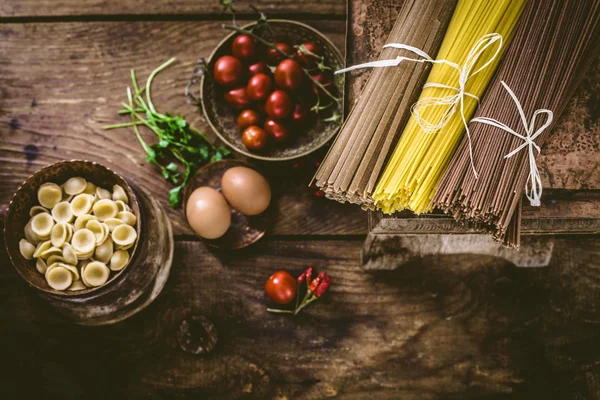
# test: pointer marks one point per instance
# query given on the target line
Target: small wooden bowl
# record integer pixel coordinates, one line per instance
(222, 118)
(26, 196)
(244, 230)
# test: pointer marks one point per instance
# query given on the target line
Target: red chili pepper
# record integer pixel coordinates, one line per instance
(306, 275)
(315, 283)
(322, 286)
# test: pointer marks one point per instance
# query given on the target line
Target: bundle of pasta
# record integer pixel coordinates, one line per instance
(79, 233)
(471, 50)
(553, 47)
(350, 170)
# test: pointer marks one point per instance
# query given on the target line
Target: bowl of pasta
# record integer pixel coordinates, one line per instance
(73, 228)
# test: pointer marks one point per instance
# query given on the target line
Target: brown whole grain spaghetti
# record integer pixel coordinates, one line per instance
(354, 163)
(554, 45)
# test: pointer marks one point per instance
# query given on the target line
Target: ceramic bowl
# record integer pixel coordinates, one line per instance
(17, 216)
(222, 118)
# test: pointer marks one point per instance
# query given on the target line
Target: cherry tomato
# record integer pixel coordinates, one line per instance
(325, 79)
(237, 98)
(244, 47)
(258, 68)
(288, 74)
(307, 60)
(228, 71)
(278, 132)
(254, 138)
(278, 105)
(281, 287)
(248, 118)
(302, 115)
(274, 57)
(259, 86)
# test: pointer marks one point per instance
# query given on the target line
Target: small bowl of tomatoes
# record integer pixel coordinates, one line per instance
(274, 99)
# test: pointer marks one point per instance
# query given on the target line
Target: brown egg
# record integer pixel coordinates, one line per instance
(208, 213)
(246, 190)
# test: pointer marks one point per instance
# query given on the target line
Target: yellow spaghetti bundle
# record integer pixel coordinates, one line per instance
(421, 156)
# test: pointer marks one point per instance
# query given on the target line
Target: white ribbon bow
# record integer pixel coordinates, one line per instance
(533, 188)
(452, 102)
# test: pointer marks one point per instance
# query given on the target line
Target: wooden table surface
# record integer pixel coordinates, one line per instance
(439, 328)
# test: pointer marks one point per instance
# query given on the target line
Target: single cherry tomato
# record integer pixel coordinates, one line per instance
(278, 132)
(308, 60)
(248, 118)
(228, 71)
(302, 115)
(274, 56)
(259, 86)
(258, 68)
(254, 138)
(281, 287)
(288, 74)
(278, 105)
(237, 98)
(325, 79)
(244, 47)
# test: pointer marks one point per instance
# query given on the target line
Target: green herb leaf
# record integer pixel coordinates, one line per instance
(178, 143)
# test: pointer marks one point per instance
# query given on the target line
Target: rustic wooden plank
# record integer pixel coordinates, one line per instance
(61, 82)
(61, 8)
(443, 327)
(570, 158)
(560, 213)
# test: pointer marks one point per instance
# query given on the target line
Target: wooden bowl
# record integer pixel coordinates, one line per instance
(26, 196)
(244, 230)
(222, 118)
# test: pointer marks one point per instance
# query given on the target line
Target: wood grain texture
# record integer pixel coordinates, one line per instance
(61, 82)
(570, 158)
(443, 327)
(60, 8)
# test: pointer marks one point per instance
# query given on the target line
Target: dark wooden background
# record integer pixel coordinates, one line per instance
(440, 328)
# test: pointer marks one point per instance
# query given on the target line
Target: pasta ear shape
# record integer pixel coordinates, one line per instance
(103, 193)
(95, 274)
(81, 204)
(36, 210)
(105, 209)
(62, 212)
(27, 249)
(127, 217)
(41, 225)
(74, 186)
(83, 242)
(124, 235)
(82, 221)
(59, 278)
(119, 194)
(49, 194)
(119, 260)
(59, 234)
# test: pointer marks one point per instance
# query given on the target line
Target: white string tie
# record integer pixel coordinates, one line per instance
(451, 102)
(533, 187)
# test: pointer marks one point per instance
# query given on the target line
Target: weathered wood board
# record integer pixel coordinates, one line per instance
(56, 96)
(96, 8)
(443, 327)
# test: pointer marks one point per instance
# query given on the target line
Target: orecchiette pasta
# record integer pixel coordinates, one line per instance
(49, 194)
(105, 209)
(78, 233)
(119, 194)
(81, 204)
(62, 212)
(75, 185)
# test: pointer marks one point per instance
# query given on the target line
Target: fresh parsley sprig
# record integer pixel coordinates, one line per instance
(181, 149)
